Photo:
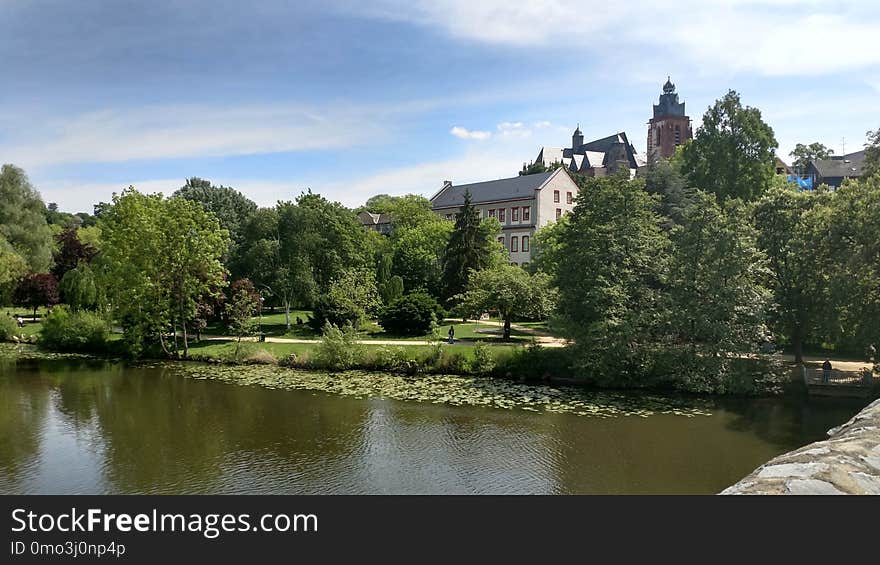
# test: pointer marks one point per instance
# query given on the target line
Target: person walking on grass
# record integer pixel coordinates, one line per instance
(826, 371)
(451, 335)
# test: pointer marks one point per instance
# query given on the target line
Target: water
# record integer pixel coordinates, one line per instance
(77, 427)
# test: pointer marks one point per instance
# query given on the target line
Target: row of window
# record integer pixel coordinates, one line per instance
(501, 214)
(568, 197)
(514, 243)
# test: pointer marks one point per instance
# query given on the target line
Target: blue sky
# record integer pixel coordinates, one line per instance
(360, 98)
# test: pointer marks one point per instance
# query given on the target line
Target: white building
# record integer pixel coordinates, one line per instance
(521, 204)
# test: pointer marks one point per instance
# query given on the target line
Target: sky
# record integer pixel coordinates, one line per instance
(354, 98)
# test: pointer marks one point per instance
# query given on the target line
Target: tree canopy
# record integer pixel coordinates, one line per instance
(23, 219)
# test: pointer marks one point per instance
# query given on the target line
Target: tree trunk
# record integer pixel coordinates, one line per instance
(507, 329)
(185, 343)
(797, 344)
(35, 313)
(287, 313)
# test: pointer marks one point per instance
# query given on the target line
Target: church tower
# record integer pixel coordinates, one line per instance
(669, 127)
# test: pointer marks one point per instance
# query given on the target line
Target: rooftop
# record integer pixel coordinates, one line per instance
(494, 190)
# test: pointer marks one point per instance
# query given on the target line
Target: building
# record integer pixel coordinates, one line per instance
(596, 158)
(670, 126)
(376, 222)
(521, 204)
(833, 170)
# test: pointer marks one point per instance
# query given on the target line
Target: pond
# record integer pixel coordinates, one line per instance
(78, 426)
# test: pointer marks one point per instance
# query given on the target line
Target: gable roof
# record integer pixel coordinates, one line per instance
(494, 190)
(842, 166)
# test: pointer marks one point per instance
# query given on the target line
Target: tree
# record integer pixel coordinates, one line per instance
(240, 312)
(79, 288)
(390, 286)
(418, 254)
(716, 271)
(539, 167)
(35, 290)
(511, 291)
(803, 154)
(161, 258)
(733, 153)
(23, 219)
(351, 299)
(871, 165)
(470, 247)
(665, 179)
(12, 267)
(70, 252)
(795, 276)
(547, 247)
(610, 281)
(416, 313)
(231, 207)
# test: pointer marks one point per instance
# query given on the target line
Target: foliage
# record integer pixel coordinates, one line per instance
(717, 301)
(35, 290)
(665, 179)
(510, 291)
(803, 154)
(483, 361)
(70, 252)
(413, 314)
(539, 167)
(338, 349)
(79, 288)
(609, 284)
(8, 327)
(547, 246)
(418, 254)
(23, 219)
(390, 286)
(66, 330)
(351, 299)
(12, 267)
(733, 152)
(240, 312)
(161, 258)
(405, 211)
(470, 248)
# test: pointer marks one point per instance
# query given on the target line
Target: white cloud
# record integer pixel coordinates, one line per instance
(463, 133)
(770, 37)
(514, 129)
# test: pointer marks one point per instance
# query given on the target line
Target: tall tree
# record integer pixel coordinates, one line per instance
(79, 288)
(23, 219)
(12, 267)
(665, 179)
(803, 154)
(716, 276)
(70, 252)
(36, 290)
(470, 247)
(796, 277)
(872, 153)
(609, 283)
(231, 207)
(733, 153)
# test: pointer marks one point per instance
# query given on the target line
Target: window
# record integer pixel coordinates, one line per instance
(514, 214)
(568, 198)
(501, 214)
(558, 213)
(677, 135)
(501, 240)
(492, 213)
(525, 243)
(527, 211)
(555, 196)
(514, 243)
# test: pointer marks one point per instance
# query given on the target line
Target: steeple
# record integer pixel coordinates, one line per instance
(577, 138)
(668, 88)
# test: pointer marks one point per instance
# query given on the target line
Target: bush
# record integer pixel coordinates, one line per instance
(8, 328)
(64, 330)
(338, 349)
(483, 361)
(413, 314)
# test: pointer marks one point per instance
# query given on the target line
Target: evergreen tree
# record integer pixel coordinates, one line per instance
(469, 248)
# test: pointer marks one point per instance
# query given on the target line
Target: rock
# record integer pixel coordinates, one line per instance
(810, 486)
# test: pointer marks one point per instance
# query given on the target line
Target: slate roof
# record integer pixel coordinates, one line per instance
(490, 191)
(843, 166)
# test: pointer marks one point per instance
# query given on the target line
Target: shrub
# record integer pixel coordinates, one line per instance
(413, 314)
(261, 357)
(64, 330)
(483, 361)
(338, 349)
(8, 327)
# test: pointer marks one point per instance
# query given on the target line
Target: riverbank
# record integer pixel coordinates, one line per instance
(848, 462)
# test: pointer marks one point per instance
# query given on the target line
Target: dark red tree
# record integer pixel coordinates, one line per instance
(35, 290)
(70, 252)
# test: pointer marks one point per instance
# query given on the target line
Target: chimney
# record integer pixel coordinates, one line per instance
(447, 184)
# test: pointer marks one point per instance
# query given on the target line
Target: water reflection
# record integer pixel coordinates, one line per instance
(87, 427)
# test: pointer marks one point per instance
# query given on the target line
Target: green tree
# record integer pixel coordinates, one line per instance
(12, 267)
(23, 219)
(160, 258)
(795, 277)
(470, 247)
(418, 254)
(231, 207)
(717, 299)
(610, 281)
(79, 288)
(512, 292)
(416, 313)
(803, 154)
(733, 153)
(665, 179)
(871, 165)
(351, 300)
(240, 312)
(547, 246)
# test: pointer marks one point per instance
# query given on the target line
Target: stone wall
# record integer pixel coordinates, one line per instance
(848, 462)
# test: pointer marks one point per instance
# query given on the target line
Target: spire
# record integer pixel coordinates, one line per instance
(577, 131)
(668, 88)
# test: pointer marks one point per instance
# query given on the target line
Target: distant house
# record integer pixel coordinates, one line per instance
(376, 222)
(522, 204)
(595, 158)
(833, 170)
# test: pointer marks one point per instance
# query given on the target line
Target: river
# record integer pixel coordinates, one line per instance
(94, 427)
